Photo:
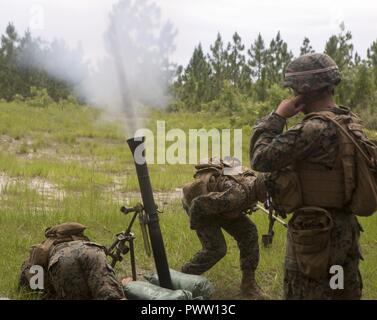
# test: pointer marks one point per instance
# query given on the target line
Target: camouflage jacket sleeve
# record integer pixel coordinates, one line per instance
(271, 149)
(230, 198)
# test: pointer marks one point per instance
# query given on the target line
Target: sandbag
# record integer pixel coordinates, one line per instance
(142, 290)
(199, 286)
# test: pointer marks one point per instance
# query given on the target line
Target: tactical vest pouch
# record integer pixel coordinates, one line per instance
(193, 189)
(364, 199)
(361, 182)
(285, 189)
(39, 253)
(309, 240)
(320, 187)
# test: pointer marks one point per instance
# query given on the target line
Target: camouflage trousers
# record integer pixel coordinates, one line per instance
(344, 252)
(79, 270)
(214, 248)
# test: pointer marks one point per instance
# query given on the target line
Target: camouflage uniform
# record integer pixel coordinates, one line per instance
(316, 142)
(222, 210)
(74, 268)
(79, 270)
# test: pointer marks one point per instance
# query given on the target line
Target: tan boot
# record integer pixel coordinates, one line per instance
(250, 288)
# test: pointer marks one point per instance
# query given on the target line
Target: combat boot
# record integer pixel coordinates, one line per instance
(250, 288)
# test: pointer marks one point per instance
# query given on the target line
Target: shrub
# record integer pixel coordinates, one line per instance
(39, 98)
(230, 101)
(176, 106)
(18, 98)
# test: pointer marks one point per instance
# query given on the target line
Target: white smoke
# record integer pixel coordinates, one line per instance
(136, 69)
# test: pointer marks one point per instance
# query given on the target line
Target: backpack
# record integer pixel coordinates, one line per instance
(360, 177)
(39, 253)
(65, 232)
(208, 176)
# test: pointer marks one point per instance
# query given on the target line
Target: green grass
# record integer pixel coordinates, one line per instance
(86, 159)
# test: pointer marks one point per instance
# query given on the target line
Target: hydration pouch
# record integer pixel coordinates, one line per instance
(199, 286)
(141, 290)
(309, 233)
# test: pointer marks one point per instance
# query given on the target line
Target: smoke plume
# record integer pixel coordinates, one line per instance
(135, 71)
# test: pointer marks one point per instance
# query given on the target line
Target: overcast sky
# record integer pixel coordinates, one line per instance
(84, 21)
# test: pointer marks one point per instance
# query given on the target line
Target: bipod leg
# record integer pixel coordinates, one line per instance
(133, 262)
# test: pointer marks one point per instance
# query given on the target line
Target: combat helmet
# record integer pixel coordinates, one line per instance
(311, 72)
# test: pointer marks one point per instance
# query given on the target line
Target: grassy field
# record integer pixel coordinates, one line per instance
(71, 164)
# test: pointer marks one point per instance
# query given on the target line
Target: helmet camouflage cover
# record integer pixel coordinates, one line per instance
(311, 72)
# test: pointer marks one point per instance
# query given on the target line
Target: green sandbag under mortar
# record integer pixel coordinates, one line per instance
(142, 290)
(199, 286)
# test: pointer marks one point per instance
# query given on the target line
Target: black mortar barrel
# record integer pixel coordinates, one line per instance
(157, 242)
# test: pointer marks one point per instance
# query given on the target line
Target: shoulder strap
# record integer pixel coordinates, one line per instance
(345, 132)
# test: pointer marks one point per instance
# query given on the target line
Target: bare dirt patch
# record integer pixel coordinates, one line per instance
(42, 186)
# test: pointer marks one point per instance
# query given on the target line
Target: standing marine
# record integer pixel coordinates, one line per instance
(311, 171)
(219, 197)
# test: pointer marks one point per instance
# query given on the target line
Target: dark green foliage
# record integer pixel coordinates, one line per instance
(193, 85)
(306, 47)
(340, 48)
(233, 78)
(237, 71)
(243, 83)
(278, 57)
(21, 67)
(218, 62)
(229, 75)
(372, 60)
(257, 63)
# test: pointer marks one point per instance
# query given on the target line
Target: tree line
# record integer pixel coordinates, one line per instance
(254, 73)
(30, 65)
(233, 77)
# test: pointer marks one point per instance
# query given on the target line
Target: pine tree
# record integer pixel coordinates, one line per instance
(9, 76)
(357, 59)
(236, 70)
(362, 86)
(306, 47)
(257, 64)
(340, 48)
(196, 81)
(372, 54)
(22, 66)
(9, 43)
(257, 54)
(218, 62)
(278, 57)
(372, 60)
